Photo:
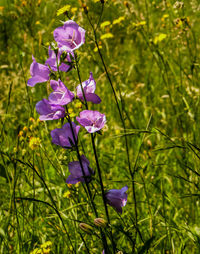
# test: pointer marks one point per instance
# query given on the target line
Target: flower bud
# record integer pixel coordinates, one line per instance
(100, 222)
(86, 228)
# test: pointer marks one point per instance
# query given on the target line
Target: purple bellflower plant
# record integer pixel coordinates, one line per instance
(61, 95)
(93, 121)
(117, 198)
(49, 111)
(53, 61)
(70, 36)
(77, 173)
(64, 136)
(39, 72)
(89, 87)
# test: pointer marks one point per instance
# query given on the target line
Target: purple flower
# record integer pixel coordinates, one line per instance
(89, 87)
(77, 172)
(39, 72)
(64, 136)
(48, 111)
(70, 36)
(92, 120)
(53, 62)
(61, 95)
(117, 198)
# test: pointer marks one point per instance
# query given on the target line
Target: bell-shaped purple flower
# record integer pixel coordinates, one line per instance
(54, 61)
(117, 198)
(64, 136)
(89, 87)
(39, 72)
(61, 95)
(48, 111)
(92, 120)
(70, 36)
(77, 172)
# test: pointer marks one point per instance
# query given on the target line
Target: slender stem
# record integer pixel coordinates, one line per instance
(121, 118)
(85, 177)
(96, 159)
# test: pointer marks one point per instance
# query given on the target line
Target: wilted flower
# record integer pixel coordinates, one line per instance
(49, 111)
(70, 36)
(54, 61)
(61, 95)
(77, 172)
(92, 120)
(86, 228)
(100, 222)
(39, 72)
(117, 198)
(89, 87)
(64, 136)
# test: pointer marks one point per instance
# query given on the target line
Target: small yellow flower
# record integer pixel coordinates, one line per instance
(107, 36)
(37, 22)
(63, 9)
(70, 110)
(21, 133)
(69, 185)
(119, 20)
(46, 244)
(67, 194)
(25, 129)
(31, 119)
(77, 184)
(105, 23)
(46, 251)
(74, 10)
(78, 104)
(34, 143)
(96, 49)
(159, 38)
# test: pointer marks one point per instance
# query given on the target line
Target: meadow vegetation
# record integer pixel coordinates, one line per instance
(144, 56)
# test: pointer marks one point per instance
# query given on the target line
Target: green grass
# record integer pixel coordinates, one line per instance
(154, 69)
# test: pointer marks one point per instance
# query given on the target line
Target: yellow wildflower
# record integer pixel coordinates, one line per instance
(119, 20)
(105, 23)
(106, 36)
(67, 194)
(34, 143)
(21, 133)
(31, 119)
(78, 104)
(46, 244)
(159, 38)
(74, 10)
(63, 9)
(25, 129)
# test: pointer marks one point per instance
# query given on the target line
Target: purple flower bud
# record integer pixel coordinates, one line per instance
(48, 111)
(39, 72)
(117, 198)
(93, 121)
(53, 62)
(64, 136)
(61, 95)
(89, 87)
(77, 172)
(70, 36)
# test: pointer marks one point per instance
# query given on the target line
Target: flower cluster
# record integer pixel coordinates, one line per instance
(69, 38)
